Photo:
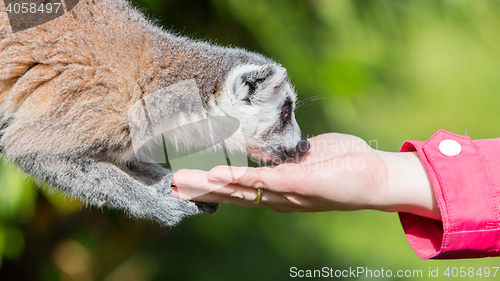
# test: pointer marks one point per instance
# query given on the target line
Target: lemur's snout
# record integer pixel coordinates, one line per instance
(300, 150)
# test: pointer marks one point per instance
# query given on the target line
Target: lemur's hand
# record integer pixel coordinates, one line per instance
(340, 172)
(157, 203)
(164, 188)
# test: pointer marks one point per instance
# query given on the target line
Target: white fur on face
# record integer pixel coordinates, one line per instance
(259, 108)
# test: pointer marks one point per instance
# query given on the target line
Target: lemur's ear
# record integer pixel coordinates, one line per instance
(256, 80)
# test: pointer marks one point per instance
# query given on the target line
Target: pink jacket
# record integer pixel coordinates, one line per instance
(465, 175)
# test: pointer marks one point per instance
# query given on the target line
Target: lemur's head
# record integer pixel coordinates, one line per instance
(263, 100)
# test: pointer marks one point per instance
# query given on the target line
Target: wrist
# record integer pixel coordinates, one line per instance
(408, 187)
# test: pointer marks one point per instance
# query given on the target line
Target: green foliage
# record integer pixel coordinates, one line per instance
(17, 199)
(385, 70)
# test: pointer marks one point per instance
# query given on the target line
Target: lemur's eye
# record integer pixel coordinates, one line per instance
(287, 113)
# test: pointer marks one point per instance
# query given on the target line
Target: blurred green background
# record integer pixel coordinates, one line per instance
(386, 71)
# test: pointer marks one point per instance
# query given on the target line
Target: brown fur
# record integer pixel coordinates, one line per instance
(66, 86)
(68, 83)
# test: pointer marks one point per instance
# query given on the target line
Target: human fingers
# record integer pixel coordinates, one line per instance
(194, 185)
(191, 185)
(277, 179)
(246, 197)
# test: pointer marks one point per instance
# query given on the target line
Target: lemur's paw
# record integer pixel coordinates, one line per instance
(210, 208)
(171, 211)
(164, 187)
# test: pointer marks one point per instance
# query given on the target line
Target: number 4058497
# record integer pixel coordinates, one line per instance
(33, 8)
(470, 272)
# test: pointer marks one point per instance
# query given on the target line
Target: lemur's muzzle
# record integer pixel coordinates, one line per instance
(300, 150)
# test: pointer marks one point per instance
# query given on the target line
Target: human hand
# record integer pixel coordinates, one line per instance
(340, 172)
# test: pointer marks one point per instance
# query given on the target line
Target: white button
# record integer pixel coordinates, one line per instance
(450, 147)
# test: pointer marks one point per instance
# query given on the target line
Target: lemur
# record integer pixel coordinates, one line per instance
(67, 88)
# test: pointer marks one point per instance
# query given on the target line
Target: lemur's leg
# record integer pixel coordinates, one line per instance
(152, 173)
(102, 183)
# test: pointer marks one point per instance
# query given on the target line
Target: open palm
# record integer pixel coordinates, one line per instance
(340, 172)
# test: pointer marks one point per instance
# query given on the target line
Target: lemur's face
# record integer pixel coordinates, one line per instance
(263, 100)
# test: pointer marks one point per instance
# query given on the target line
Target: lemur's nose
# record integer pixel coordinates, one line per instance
(299, 150)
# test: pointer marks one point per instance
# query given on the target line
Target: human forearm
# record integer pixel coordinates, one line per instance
(409, 188)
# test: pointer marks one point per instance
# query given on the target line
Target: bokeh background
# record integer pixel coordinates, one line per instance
(386, 71)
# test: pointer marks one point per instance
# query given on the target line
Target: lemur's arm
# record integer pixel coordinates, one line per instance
(102, 183)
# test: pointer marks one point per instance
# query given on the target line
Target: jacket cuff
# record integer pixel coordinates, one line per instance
(466, 195)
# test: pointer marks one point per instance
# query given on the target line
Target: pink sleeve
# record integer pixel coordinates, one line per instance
(465, 175)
